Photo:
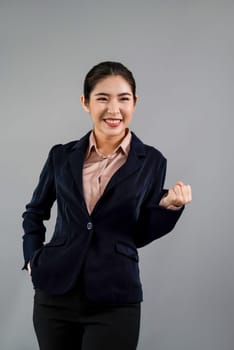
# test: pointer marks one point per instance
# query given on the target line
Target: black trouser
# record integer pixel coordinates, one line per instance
(67, 322)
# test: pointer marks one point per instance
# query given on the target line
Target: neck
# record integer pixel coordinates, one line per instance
(107, 144)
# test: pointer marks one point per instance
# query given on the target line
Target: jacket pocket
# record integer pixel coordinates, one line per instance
(127, 250)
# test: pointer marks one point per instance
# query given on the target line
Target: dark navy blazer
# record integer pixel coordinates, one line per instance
(101, 247)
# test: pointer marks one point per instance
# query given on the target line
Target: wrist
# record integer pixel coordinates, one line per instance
(174, 207)
(164, 203)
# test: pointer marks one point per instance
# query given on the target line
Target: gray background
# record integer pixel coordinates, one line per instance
(181, 53)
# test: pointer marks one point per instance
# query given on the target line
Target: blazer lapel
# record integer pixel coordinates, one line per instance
(76, 160)
(133, 163)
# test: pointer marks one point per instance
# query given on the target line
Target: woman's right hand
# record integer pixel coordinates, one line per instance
(29, 268)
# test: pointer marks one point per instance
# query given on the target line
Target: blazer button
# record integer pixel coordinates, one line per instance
(89, 225)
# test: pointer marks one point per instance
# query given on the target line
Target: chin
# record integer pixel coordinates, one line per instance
(115, 132)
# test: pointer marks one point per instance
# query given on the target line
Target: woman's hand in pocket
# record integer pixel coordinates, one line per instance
(29, 268)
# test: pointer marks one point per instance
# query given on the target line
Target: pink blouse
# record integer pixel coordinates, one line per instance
(98, 168)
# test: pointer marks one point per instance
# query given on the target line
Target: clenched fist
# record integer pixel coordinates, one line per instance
(177, 196)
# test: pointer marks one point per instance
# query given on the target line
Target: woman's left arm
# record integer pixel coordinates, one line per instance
(161, 209)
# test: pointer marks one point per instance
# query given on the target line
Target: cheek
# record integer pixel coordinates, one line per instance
(128, 111)
(97, 110)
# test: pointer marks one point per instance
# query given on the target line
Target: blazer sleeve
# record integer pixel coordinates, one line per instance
(154, 220)
(39, 209)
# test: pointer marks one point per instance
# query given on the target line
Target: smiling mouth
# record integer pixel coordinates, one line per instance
(112, 122)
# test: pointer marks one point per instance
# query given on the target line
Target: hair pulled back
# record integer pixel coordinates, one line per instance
(103, 70)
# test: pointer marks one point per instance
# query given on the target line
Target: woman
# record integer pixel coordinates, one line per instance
(110, 200)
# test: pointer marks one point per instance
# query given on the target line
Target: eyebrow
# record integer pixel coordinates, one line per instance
(105, 94)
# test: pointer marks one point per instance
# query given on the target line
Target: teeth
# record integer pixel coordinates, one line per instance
(111, 121)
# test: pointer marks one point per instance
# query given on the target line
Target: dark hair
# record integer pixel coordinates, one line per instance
(103, 70)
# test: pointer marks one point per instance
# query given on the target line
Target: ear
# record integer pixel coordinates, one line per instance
(84, 103)
(136, 100)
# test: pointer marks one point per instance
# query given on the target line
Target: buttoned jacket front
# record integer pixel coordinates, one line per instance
(98, 249)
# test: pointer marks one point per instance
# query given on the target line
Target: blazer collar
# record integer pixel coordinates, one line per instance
(133, 163)
(82, 144)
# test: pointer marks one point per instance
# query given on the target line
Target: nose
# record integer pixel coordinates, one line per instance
(113, 108)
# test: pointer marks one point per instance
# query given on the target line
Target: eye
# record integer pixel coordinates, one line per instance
(125, 99)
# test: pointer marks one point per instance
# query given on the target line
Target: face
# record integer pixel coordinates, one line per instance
(111, 106)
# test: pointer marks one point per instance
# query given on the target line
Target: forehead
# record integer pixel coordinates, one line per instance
(113, 84)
